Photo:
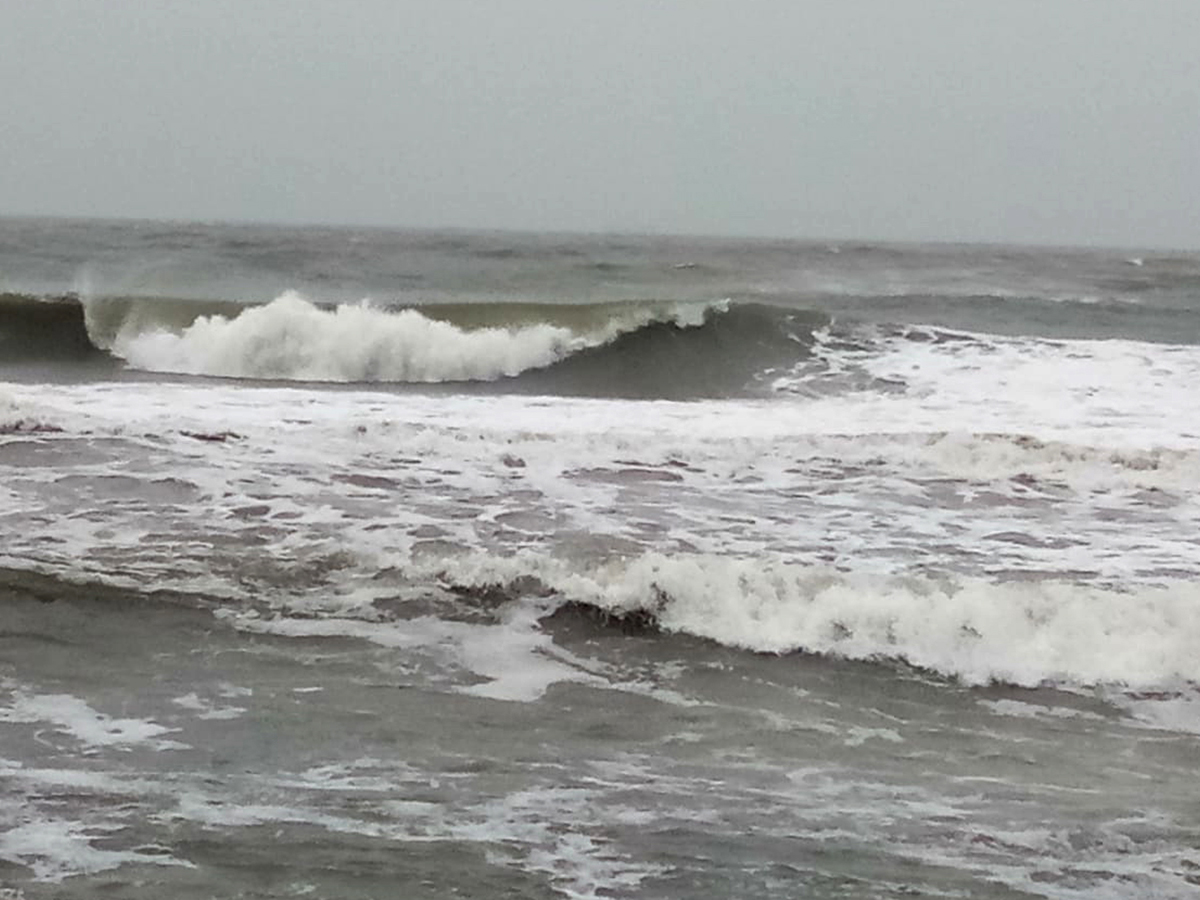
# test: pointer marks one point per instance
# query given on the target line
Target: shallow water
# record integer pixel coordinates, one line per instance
(209, 760)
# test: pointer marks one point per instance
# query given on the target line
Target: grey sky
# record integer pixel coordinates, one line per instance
(1060, 121)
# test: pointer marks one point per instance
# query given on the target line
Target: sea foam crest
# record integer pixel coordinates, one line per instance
(22, 415)
(969, 628)
(291, 338)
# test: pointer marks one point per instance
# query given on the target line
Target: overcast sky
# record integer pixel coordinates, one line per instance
(1038, 121)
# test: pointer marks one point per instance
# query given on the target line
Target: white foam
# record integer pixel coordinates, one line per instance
(291, 338)
(1176, 712)
(1023, 710)
(76, 718)
(206, 709)
(360, 775)
(856, 736)
(519, 662)
(56, 849)
(1097, 393)
(9, 406)
(195, 806)
(734, 509)
(545, 825)
(20, 412)
(1022, 633)
(72, 779)
(513, 659)
(538, 829)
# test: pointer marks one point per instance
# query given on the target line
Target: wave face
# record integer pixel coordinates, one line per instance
(43, 329)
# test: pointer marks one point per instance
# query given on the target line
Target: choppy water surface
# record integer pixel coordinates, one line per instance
(348, 563)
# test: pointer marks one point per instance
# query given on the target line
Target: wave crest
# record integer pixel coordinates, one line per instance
(1025, 633)
(293, 339)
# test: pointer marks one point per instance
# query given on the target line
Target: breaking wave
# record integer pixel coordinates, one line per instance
(630, 349)
(978, 631)
(292, 339)
(617, 349)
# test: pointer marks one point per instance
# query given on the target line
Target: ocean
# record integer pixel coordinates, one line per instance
(364, 563)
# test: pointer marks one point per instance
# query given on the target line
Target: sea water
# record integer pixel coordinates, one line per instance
(366, 563)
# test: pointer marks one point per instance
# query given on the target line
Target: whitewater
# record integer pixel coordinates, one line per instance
(595, 566)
